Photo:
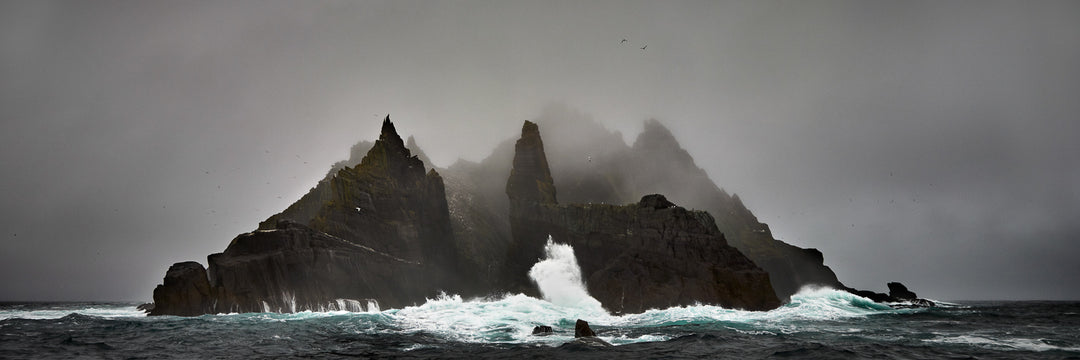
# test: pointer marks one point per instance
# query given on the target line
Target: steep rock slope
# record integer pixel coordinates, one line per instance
(634, 257)
(378, 230)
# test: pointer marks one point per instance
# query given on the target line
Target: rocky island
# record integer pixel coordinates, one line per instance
(385, 230)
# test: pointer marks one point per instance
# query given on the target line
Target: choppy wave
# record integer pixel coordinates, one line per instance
(817, 322)
(511, 318)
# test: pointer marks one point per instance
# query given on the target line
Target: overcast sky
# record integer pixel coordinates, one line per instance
(931, 143)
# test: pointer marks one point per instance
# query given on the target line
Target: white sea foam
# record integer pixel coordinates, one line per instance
(558, 277)
(1001, 344)
(510, 318)
(62, 310)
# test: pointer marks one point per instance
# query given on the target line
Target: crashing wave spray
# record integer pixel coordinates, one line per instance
(559, 278)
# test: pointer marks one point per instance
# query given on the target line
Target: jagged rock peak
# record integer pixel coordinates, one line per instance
(530, 178)
(416, 151)
(654, 135)
(390, 154)
(390, 135)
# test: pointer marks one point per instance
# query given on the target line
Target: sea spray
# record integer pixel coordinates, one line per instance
(817, 324)
(559, 278)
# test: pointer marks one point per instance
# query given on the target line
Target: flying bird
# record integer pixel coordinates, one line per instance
(643, 47)
(623, 41)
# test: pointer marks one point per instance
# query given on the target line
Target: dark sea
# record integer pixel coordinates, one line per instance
(817, 324)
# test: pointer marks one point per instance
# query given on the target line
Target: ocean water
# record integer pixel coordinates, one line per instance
(817, 323)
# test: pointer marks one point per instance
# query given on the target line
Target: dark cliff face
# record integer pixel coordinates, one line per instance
(652, 254)
(305, 209)
(378, 230)
(592, 165)
(390, 204)
(381, 227)
(295, 268)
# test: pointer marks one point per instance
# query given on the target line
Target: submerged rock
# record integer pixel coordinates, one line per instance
(542, 330)
(584, 336)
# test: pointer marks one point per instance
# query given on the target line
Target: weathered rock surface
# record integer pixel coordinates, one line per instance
(652, 254)
(582, 329)
(591, 165)
(184, 292)
(377, 231)
(296, 268)
(380, 227)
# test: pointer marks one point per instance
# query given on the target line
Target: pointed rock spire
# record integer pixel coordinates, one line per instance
(389, 134)
(530, 178)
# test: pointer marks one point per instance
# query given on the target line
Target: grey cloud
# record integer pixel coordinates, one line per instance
(154, 132)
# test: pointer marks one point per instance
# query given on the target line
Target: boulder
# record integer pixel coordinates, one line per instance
(581, 329)
(185, 291)
(899, 291)
(542, 330)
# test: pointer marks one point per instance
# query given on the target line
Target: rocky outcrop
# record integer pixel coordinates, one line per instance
(542, 330)
(389, 203)
(898, 294)
(899, 291)
(184, 292)
(634, 257)
(582, 329)
(593, 165)
(296, 268)
(378, 231)
(383, 227)
(584, 336)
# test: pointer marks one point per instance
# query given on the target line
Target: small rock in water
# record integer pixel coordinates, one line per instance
(581, 329)
(542, 330)
(584, 336)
